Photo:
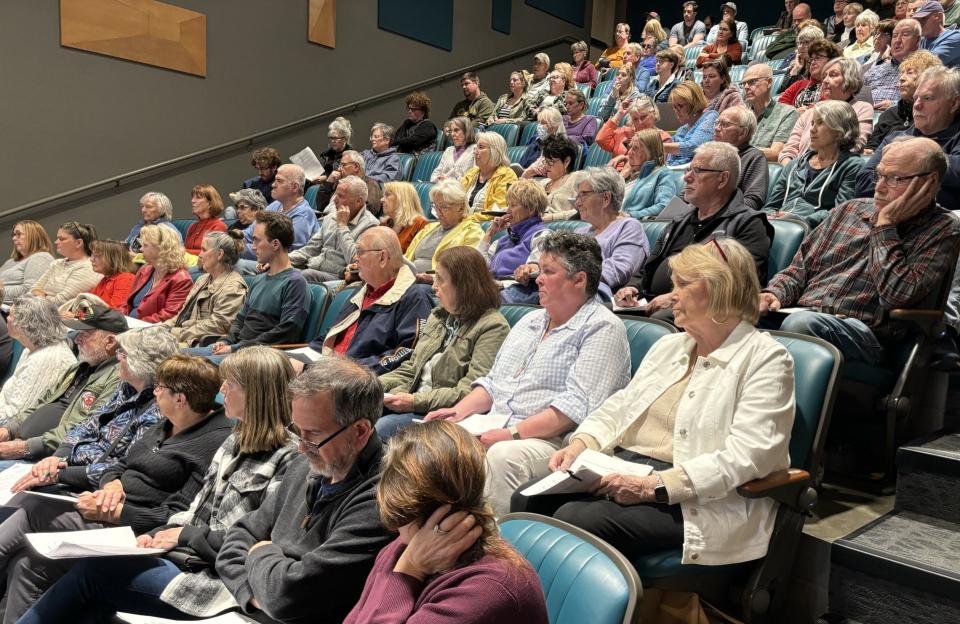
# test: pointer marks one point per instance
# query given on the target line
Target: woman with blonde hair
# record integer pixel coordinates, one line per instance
(566, 70)
(449, 563)
(161, 285)
(486, 183)
(452, 228)
(207, 206)
(649, 185)
(624, 90)
(514, 105)
(615, 138)
(111, 259)
(653, 29)
(690, 105)
(31, 257)
(402, 211)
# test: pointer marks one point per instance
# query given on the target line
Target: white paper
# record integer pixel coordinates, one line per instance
(60, 497)
(589, 468)
(92, 543)
(10, 476)
(224, 618)
(310, 163)
(640, 307)
(794, 309)
(307, 352)
(479, 423)
(135, 323)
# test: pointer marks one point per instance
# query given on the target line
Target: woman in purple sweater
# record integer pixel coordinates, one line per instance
(449, 564)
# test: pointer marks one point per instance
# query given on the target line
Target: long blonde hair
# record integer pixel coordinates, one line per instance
(408, 202)
(170, 255)
(265, 375)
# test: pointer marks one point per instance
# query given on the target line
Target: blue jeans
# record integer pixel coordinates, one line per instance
(206, 352)
(390, 425)
(6, 463)
(851, 336)
(521, 294)
(94, 589)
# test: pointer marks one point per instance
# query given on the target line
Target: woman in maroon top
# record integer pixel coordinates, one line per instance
(207, 206)
(449, 564)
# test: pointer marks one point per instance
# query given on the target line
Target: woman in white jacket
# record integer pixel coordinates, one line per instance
(709, 409)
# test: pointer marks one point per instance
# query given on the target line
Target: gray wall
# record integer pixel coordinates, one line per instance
(70, 118)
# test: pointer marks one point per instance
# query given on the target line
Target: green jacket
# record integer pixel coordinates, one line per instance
(468, 357)
(101, 385)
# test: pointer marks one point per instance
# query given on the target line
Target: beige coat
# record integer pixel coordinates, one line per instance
(210, 308)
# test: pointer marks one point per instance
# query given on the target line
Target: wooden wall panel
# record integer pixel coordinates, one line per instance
(146, 31)
(323, 22)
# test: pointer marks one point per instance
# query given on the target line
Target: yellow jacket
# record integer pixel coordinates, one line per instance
(467, 233)
(496, 190)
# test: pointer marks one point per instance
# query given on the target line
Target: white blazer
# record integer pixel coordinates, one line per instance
(733, 425)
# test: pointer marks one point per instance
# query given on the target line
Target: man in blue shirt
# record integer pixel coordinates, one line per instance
(944, 43)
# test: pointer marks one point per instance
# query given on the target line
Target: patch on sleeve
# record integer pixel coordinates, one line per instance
(87, 399)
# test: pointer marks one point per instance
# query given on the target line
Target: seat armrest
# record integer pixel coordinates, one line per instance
(290, 346)
(206, 341)
(790, 487)
(926, 320)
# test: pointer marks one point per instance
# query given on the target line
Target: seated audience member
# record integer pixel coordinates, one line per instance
(882, 75)
(402, 211)
(29, 259)
(805, 93)
(526, 204)
(720, 212)
(648, 51)
(266, 161)
(382, 161)
(850, 13)
(475, 105)
(325, 256)
(951, 11)
(585, 72)
(799, 67)
(669, 73)
(612, 57)
(159, 476)
(736, 126)
(155, 209)
(351, 164)
(786, 40)
(339, 133)
(448, 563)
(537, 79)
(936, 115)
(864, 28)
(559, 158)
(775, 121)
(417, 133)
(653, 29)
(6, 347)
(649, 187)
(644, 114)
(739, 31)
(556, 366)
(549, 124)
(694, 484)
(162, 284)
(486, 183)
(842, 80)
(72, 274)
(513, 106)
(277, 300)
(943, 43)
(899, 116)
(379, 325)
(901, 10)
(47, 357)
(248, 466)
(288, 201)
(552, 96)
(725, 44)
(641, 75)
(207, 206)
(111, 260)
(826, 175)
(580, 127)
(459, 157)
(451, 229)
(870, 256)
(217, 296)
(248, 203)
(689, 31)
(833, 25)
(456, 346)
(99, 441)
(624, 89)
(567, 70)
(690, 106)
(717, 89)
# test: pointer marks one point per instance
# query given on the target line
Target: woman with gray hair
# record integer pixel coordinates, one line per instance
(864, 27)
(155, 209)
(826, 175)
(339, 133)
(842, 81)
(458, 158)
(486, 183)
(451, 229)
(381, 162)
(217, 296)
(35, 322)
(585, 72)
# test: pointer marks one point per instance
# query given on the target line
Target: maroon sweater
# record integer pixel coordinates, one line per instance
(489, 590)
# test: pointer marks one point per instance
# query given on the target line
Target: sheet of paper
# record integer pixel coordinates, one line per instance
(589, 468)
(223, 618)
(60, 497)
(134, 323)
(794, 309)
(478, 423)
(92, 543)
(306, 352)
(640, 307)
(608, 464)
(10, 476)
(310, 163)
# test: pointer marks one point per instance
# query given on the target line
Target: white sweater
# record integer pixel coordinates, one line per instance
(36, 373)
(65, 279)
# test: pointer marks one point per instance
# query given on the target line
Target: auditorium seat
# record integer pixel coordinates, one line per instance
(406, 166)
(596, 157)
(426, 163)
(509, 131)
(423, 191)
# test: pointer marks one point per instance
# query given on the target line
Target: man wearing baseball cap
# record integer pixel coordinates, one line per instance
(945, 44)
(729, 10)
(36, 432)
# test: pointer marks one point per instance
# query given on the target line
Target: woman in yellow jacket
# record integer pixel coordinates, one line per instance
(451, 229)
(486, 184)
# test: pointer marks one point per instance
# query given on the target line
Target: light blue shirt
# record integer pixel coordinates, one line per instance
(946, 47)
(305, 225)
(691, 137)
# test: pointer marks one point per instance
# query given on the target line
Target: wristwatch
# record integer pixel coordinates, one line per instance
(660, 491)
(512, 430)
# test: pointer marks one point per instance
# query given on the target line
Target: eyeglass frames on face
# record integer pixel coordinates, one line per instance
(297, 436)
(697, 171)
(895, 181)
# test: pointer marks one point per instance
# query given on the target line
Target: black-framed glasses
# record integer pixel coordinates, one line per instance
(297, 436)
(696, 171)
(895, 181)
(163, 387)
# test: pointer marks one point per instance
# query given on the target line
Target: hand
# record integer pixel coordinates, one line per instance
(110, 495)
(166, 539)
(627, 490)
(402, 402)
(445, 413)
(660, 302)
(27, 482)
(263, 267)
(343, 216)
(883, 105)
(626, 297)
(564, 458)
(14, 449)
(334, 176)
(768, 303)
(4, 434)
(220, 348)
(489, 438)
(919, 195)
(424, 278)
(433, 551)
(618, 161)
(88, 507)
(297, 365)
(258, 545)
(498, 225)
(523, 273)
(868, 152)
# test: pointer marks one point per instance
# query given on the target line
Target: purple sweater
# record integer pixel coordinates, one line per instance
(584, 131)
(489, 590)
(625, 249)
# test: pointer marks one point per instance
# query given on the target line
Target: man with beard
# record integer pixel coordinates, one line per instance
(37, 432)
(305, 554)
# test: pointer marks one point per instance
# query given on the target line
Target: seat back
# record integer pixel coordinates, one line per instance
(515, 153)
(509, 131)
(426, 163)
(565, 226)
(311, 196)
(773, 174)
(777, 84)
(641, 334)
(318, 304)
(690, 54)
(602, 91)
(787, 236)
(594, 103)
(514, 312)
(585, 88)
(423, 191)
(406, 166)
(15, 353)
(760, 47)
(182, 225)
(596, 157)
(654, 228)
(584, 579)
(337, 301)
(528, 132)
(736, 73)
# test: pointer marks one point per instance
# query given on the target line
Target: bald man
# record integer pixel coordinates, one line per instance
(775, 121)
(786, 42)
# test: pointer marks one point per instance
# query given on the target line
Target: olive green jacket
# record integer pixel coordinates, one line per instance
(468, 357)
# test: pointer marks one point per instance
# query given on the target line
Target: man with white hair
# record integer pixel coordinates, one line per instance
(325, 256)
(884, 77)
(288, 185)
(939, 40)
(736, 126)
(351, 164)
(381, 161)
(775, 121)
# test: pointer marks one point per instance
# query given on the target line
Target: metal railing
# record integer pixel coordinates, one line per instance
(115, 182)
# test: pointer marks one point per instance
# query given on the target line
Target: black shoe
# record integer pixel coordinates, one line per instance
(944, 355)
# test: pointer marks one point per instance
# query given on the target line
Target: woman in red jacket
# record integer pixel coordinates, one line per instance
(207, 207)
(111, 259)
(162, 284)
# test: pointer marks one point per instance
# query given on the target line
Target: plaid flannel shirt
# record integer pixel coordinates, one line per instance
(884, 80)
(849, 266)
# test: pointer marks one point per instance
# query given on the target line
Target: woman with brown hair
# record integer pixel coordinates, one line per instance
(207, 206)
(417, 133)
(449, 563)
(31, 257)
(726, 44)
(456, 347)
(111, 259)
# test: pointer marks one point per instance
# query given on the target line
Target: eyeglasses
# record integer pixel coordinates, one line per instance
(581, 195)
(895, 181)
(723, 123)
(822, 57)
(697, 171)
(336, 138)
(442, 207)
(720, 250)
(363, 251)
(646, 46)
(162, 387)
(294, 432)
(753, 81)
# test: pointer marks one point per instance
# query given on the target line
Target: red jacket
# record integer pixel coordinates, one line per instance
(164, 300)
(198, 230)
(114, 290)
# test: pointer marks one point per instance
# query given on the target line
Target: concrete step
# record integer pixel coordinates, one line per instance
(928, 480)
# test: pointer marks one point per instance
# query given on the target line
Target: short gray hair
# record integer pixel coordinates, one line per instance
(722, 156)
(576, 252)
(355, 391)
(644, 102)
(851, 71)
(385, 129)
(341, 126)
(162, 201)
(947, 78)
(230, 246)
(451, 192)
(38, 319)
(604, 180)
(579, 46)
(913, 25)
(868, 17)
(808, 35)
(842, 119)
(356, 157)
(355, 186)
(146, 348)
(295, 174)
(746, 119)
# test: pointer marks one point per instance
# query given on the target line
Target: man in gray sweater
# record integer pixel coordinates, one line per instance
(736, 126)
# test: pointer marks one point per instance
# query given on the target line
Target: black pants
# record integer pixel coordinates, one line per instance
(634, 530)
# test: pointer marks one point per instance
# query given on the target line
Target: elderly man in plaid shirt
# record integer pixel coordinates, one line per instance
(872, 255)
